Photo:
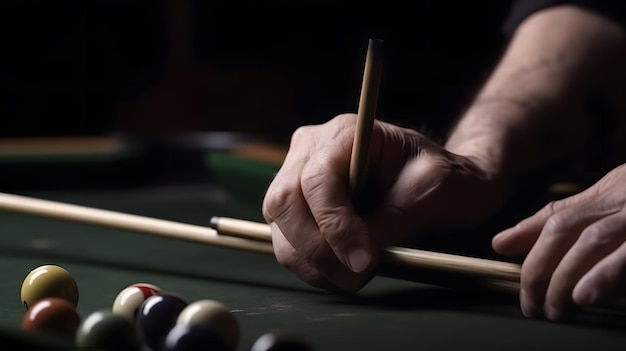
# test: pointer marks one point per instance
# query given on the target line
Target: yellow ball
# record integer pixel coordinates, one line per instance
(49, 281)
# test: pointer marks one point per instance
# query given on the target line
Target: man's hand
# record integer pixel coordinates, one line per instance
(576, 249)
(316, 230)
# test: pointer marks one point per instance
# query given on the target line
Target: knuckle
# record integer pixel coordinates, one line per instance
(312, 179)
(278, 203)
(301, 133)
(596, 236)
(558, 224)
(551, 208)
(344, 119)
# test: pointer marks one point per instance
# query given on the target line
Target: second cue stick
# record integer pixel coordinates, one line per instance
(468, 266)
(365, 116)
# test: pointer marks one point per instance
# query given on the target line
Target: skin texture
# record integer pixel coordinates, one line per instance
(318, 234)
(576, 250)
(529, 115)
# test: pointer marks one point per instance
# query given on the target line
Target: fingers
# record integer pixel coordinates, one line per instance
(606, 280)
(289, 258)
(311, 214)
(571, 244)
(518, 240)
(559, 234)
(326, 192)
(595, 242)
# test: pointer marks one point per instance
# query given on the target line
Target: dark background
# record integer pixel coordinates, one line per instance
(75, 67)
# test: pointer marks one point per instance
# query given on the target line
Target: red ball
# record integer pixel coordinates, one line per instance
(53, 316)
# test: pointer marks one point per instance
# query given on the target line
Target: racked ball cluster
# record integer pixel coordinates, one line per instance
(142, 316)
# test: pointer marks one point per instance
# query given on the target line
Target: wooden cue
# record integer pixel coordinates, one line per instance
(135, 223)
(471, 266)
(366, 115)
(501, 271)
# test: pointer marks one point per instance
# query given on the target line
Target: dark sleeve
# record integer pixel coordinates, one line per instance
(521, 9)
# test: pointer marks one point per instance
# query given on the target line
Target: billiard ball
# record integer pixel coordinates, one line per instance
(185, 337)
(148, 287)
(103, 330)
(157, 315)
(280, 341)
(54, 316)
(215, 315)
(49, 281)
(127, 302)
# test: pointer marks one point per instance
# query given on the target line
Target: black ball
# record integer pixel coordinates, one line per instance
(157, 316)
(184, 337)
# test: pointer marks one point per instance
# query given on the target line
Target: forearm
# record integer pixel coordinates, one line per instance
(531, 111)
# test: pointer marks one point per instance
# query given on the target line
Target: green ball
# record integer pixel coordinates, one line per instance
(103, 330)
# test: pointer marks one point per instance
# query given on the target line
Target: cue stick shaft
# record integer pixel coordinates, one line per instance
(365, 116)
(492, 270)
(135, 223)
(484, 268)
(242, 229)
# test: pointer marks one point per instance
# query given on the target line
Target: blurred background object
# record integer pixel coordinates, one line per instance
(171, 75)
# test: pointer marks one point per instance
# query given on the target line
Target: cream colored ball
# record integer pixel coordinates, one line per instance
(128, 301)
(215, 315)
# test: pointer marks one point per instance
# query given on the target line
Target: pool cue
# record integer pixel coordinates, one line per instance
(209, 236)
(130, 222)
(365, 116)
(468, 266)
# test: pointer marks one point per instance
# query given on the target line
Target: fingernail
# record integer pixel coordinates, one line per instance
(529, 309)
(585, 296)
(359, 259)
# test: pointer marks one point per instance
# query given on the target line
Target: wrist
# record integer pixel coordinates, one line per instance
(484, 135)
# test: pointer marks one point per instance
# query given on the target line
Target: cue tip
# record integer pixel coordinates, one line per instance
(214, 223)
(376, 44)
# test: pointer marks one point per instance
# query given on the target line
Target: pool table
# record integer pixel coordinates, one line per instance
(388, 314)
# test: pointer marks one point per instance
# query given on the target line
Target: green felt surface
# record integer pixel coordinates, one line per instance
(388, 314)
(244, 178)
